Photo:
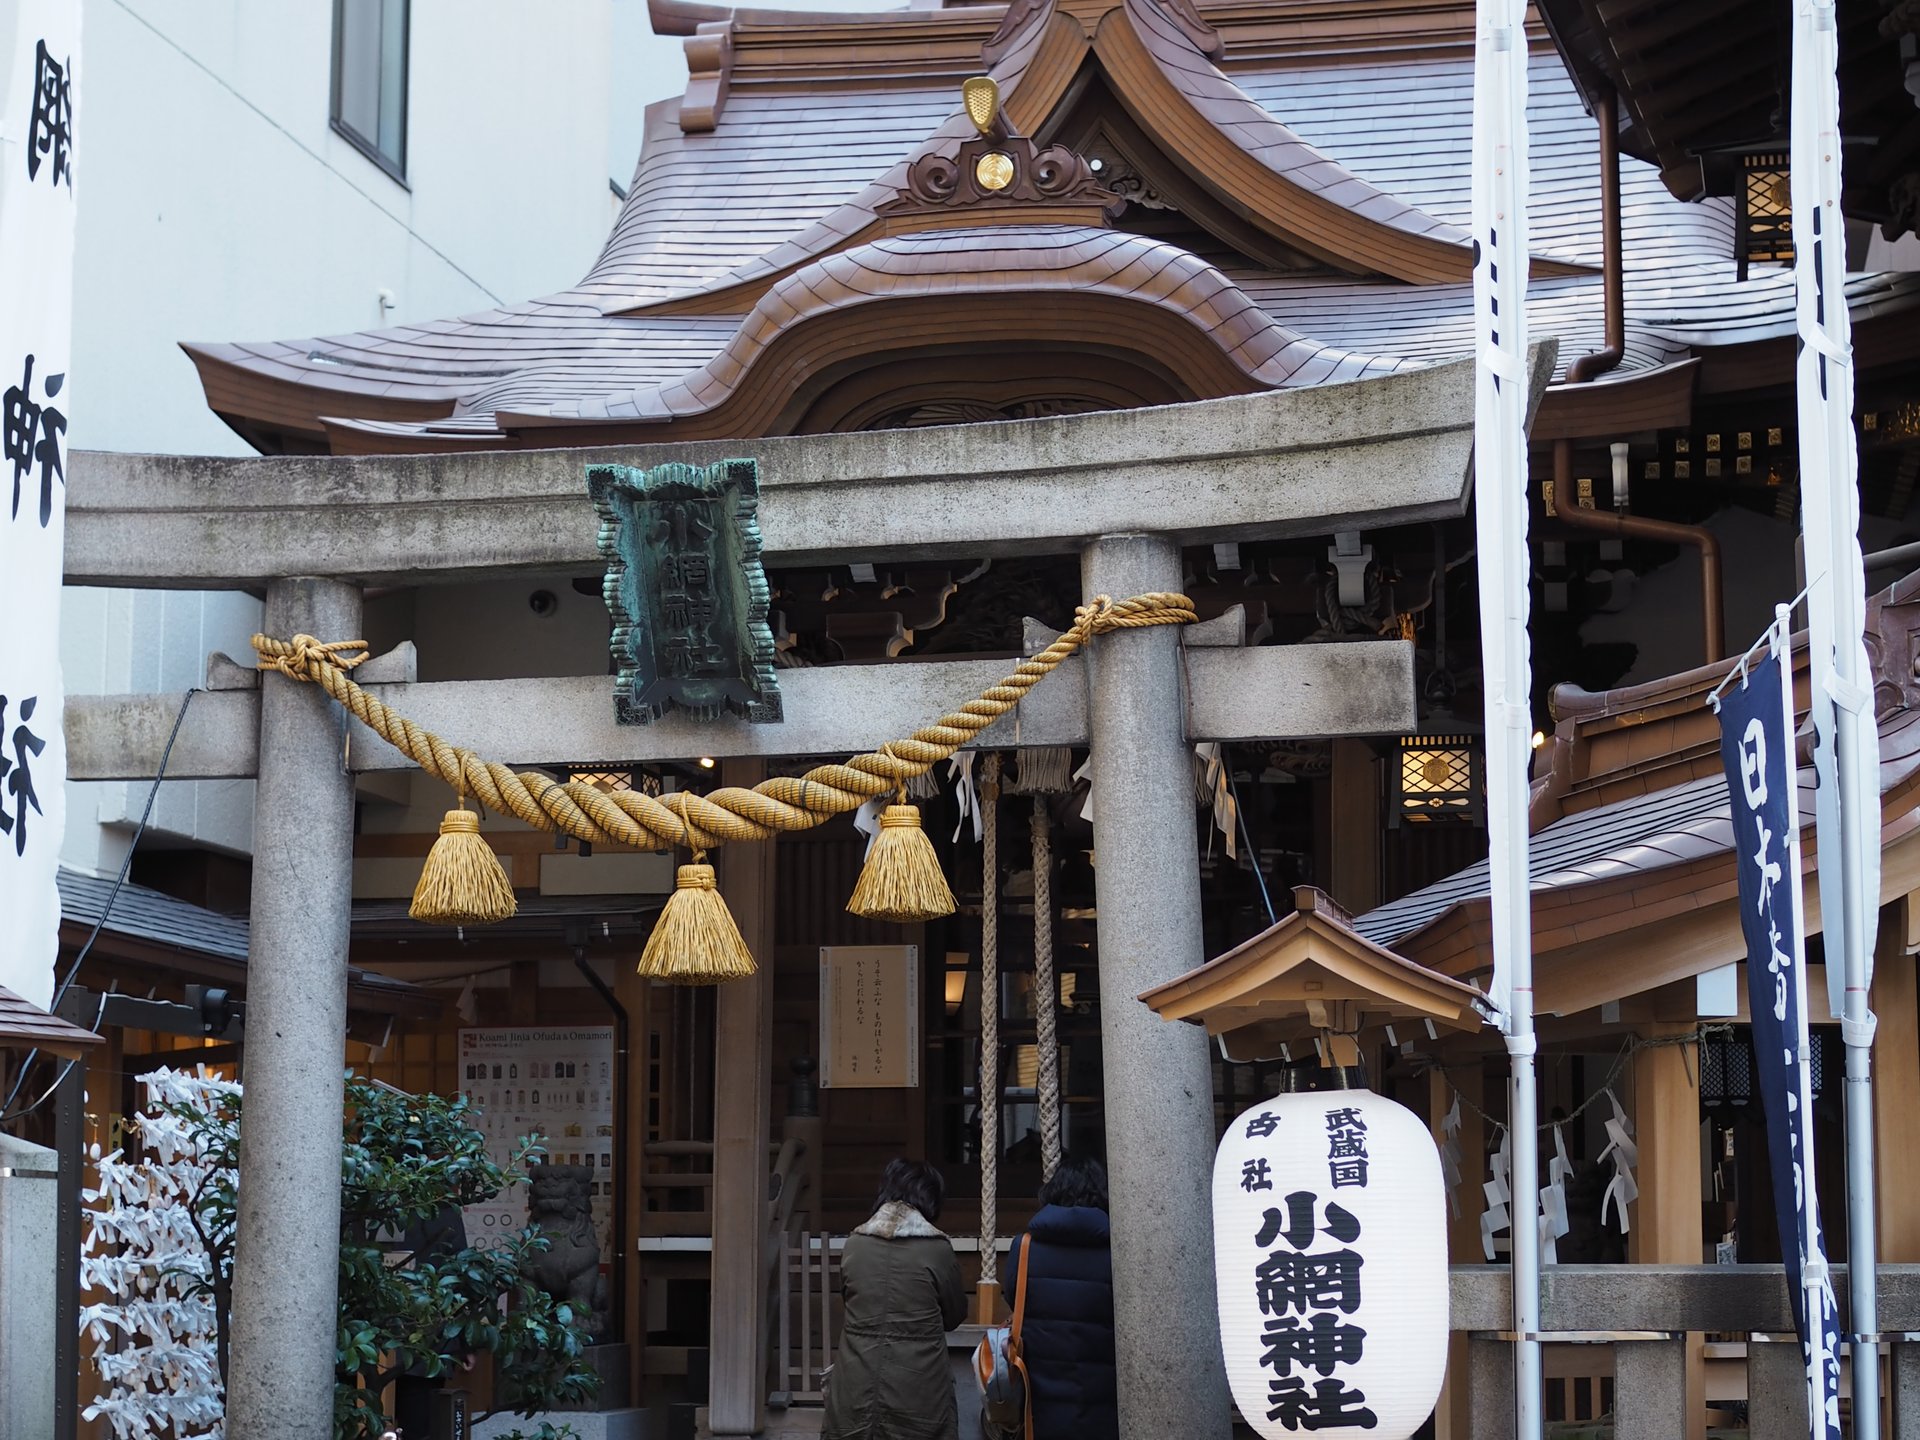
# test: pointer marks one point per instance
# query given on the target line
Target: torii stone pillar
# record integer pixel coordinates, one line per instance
(287, 1253)
(1158, 1077)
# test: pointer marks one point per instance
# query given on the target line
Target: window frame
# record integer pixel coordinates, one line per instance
(396, 169)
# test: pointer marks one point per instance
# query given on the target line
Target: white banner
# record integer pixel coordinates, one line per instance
(36, 328)
(1500, 477)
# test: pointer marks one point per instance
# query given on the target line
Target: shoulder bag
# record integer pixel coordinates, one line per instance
(1001, 1368)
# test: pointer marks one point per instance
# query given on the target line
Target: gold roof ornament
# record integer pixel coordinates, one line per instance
(981, 96)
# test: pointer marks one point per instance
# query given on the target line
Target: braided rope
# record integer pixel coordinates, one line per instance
(1046, 989)
(989, 1017)
(701, 822)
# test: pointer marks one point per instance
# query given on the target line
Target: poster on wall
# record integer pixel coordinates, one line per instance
(553, 1080)
(870, 1017)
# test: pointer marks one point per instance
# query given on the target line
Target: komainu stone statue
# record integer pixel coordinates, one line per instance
(559, 1204)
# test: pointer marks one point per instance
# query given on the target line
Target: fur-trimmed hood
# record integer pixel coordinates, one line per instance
(897, 1220)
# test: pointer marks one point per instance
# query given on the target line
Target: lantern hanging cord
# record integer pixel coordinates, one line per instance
(684, 819)
(1633, 1046)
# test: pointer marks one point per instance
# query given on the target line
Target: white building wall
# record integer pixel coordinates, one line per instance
(217, 203)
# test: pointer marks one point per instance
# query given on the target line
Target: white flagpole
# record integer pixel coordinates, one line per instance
(1846, 753)
(1500, 514)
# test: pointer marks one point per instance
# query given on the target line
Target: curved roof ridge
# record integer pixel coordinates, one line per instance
(837, 228)
(1236, 346)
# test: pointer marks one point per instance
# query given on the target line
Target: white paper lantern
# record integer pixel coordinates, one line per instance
(1330, 1260)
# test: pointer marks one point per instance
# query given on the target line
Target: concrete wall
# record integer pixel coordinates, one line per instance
(28, 1221)
(217, 203)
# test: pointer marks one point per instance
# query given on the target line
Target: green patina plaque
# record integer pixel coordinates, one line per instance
(686, 591)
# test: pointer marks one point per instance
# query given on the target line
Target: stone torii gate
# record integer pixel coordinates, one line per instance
(1125, 490)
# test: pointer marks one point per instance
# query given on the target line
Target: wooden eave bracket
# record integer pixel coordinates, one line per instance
(709, 74)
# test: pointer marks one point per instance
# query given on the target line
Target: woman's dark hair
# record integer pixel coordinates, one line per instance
(1076, 1180)
(915, 1183)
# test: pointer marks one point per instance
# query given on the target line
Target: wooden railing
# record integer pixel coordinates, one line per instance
(807, 1317)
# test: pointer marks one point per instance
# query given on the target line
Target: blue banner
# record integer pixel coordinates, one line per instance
(1756, 746)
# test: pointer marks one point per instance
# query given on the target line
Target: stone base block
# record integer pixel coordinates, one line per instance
(587, 1424)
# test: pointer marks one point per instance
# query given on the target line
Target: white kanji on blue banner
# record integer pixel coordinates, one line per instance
(1756, 747)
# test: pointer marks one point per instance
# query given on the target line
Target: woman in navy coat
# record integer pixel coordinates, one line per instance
(1067, 1333)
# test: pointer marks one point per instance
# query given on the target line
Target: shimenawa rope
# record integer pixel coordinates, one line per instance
(700, 822)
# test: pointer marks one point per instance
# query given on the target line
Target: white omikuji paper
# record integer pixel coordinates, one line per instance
(37, 166)
(1330, 1261)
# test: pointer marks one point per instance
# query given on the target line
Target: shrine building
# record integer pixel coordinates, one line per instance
(1180, 302)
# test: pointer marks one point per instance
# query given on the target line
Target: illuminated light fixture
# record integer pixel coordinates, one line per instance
(707, 762)
(1539, 738)
(1438, 778)
(956, 990)
(1763, 215)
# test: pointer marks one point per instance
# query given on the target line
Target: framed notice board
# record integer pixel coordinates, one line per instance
(870, 1017)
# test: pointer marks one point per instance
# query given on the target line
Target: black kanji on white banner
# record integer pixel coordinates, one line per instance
(35, 434)
(17, 753)
(50, 130)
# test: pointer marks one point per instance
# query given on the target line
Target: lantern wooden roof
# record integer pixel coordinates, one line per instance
(1310, 971)
(1705, 82)
(25, 1026)
(1293, 189)
(1632, 865)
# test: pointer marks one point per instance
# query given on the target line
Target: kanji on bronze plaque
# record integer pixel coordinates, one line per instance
(686, 591)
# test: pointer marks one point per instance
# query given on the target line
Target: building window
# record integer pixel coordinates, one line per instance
(370, 79)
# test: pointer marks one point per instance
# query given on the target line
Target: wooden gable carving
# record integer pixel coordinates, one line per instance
(1000, 169)
(1309, 972)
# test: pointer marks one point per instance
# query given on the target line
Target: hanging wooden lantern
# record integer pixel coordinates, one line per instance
(1330, 1260)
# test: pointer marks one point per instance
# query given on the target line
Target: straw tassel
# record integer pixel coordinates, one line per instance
(695, 941)
(462, 882)
(902, 880)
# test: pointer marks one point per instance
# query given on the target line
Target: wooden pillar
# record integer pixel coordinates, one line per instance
(1895, 999)
(1453, 1416)
(634, 993)
(1356, 820)
(1666, 1219)
(742, 1105)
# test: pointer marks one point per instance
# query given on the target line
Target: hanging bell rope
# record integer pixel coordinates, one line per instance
(698, 822)
(989, 1094)
(1046, 989)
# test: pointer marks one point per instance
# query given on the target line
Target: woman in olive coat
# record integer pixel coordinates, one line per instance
(892, 1379)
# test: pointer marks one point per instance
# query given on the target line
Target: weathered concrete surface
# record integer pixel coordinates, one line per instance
(1384, 451)
(1649, 1389)
(287, 1254)
(1159, 1081)
(29, 1257)
(1271, 692)
(1667, 1297)
(1776, 1389)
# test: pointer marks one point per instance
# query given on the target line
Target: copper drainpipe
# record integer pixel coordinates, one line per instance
(1563, 504)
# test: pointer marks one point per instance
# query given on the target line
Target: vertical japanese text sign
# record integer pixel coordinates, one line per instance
(869, 1017)
(686, 590)
(1756, 746)
(37, 157)
(1330, 1261)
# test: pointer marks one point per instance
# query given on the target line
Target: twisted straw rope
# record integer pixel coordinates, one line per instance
(701, 822)
(1046, 989)
(989, 1093)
